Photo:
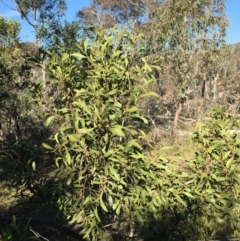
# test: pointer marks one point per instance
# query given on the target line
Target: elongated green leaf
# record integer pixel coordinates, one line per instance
(14, 219)
(117, 130)
(103, 206)
(96, 112)
(78, 55)
(46, 146)
(85, 45)
(68, 158)
(34, 166)
(229, 162)
(114, 173)
(59, 71)
(215, 145)
(118, 209)
(150, 93)
(106, 137)
(211, 200)
(137, 156)
(136, 116)
(226, 155)
(87, 200)
(216, 156)
(133, 109)
(139, 217)
(86, 108)
(69, 180)
(57, 160)
(49, 120)
(72, 137)
(236, 177)
(85, 130)
(96, 214)
(109, 153)
(188, 194)
(118, 104)
(113, 92)
(110, 200)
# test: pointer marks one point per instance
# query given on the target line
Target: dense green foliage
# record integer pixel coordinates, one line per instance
(75, 121)
(216, 166)
(97, 146)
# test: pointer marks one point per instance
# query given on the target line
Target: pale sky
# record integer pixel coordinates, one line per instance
(233, 12)
(27, 33)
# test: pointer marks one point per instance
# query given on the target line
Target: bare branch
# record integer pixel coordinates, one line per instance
(37, 234)
(24, 15)
(8, 6)
(135, 4)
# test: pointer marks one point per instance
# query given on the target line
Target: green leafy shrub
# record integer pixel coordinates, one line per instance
(202, 194)
(217, 172)
(99, 161)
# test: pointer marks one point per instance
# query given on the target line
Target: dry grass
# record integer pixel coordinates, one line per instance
(175, 145)
(7, 195)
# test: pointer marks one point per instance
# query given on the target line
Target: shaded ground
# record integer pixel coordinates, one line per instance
(20, 198)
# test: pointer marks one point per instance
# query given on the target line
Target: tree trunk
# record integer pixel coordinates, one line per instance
(1, 132)
(202, 99)
(177, 113)
(215, 87)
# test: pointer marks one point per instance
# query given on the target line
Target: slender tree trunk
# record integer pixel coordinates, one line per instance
(38, 43)
(1, 132)
(206, 95)
(202, 99)
(215, 87)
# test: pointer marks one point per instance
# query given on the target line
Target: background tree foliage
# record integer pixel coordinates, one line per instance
(39, 14)
(188, 36)
(14, 76)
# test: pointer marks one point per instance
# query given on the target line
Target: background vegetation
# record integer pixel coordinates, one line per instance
(121, 125)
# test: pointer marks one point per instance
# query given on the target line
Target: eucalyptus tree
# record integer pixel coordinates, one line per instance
(39, 13)
(16, 77)
(65, 33)
(9, 30)
(107, 13)
(187, 36)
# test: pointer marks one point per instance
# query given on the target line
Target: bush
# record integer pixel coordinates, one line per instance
(107, 184)
(100, 164)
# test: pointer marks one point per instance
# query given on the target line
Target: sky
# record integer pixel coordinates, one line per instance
(27, 33)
